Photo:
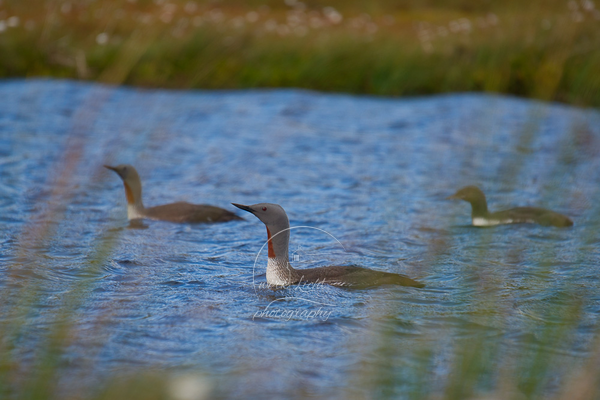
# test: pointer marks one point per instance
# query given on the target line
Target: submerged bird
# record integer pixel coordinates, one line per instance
(480, 215)
(175, 212)
(281, 273)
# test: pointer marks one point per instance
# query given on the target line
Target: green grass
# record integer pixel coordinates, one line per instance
(545, 49)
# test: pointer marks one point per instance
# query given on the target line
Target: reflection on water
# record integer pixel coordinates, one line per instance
(372, 172)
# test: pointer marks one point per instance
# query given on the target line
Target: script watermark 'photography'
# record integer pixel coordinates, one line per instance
(317, 311)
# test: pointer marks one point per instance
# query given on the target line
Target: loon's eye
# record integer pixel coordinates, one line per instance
(264, 208)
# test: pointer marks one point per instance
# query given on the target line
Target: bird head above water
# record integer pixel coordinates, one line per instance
(468, 193)
(475, 196)
(278, 227)
(125, 171)
(272, 215)
(131, 181)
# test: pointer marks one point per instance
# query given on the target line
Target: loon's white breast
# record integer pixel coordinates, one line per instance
(481, 221)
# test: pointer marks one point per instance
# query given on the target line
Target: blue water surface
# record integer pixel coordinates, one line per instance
(363, 180)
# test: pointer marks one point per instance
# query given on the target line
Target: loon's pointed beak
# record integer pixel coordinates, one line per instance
(453, 197)
(112, 168)
(243, 207)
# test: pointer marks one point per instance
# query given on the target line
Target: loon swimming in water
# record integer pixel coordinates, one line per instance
(480, 216)
(181, 212)
(281, 273)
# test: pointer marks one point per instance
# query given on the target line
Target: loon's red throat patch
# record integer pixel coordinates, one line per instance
(129, 194)
(271, 251)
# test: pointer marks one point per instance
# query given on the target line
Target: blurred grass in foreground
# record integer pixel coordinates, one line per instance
(548, 50)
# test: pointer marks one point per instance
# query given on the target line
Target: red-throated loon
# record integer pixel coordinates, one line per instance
(181, 212)
(281, 273)
(480, 216)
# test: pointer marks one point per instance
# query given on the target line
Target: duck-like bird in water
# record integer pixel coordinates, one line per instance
(181, 212)
(281, 273)
(480, 216)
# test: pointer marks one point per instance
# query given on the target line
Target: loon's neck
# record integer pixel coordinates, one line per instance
(479, 209)
(135, 206)
(279, 270)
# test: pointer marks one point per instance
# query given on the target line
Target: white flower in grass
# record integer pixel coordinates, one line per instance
(293, 20)
(271, 25)
(166, 17)
(546, 24)
(189, 387)
(332, 15)
(170, 8)
(102, 38)
(371, 27)
(465, 24)
(13, 22)
(252, 16)
(146, 19)
(454, 26)
(216, 15)
(238, 22)
(492, 19)
(587, 5)
(190, 7)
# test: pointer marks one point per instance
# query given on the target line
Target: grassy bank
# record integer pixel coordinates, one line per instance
(547, 50)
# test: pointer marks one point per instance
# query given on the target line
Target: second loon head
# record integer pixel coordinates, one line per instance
(125, 172)
(469, 193)
(131, 180)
